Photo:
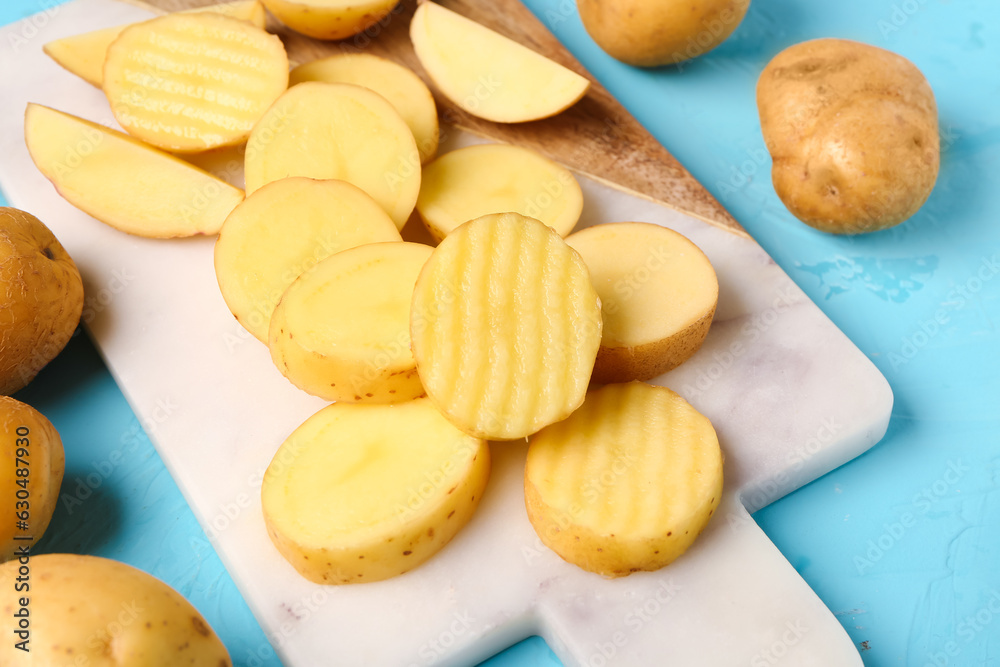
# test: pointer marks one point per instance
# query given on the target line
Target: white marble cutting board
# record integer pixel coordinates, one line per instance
(789, 394)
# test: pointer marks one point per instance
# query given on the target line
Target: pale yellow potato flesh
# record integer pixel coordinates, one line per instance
(31, 444)
(192, 82)
(342, 329)
(658, 295)
(497, 178)
(330, 19)
(341, 131)
(364, 492)
(124, 182)
(283, 230)
(487, 74)
(407, 93)
(97, 612)
(41, 301)
(505, 327)
(626, 483)
(84, 54)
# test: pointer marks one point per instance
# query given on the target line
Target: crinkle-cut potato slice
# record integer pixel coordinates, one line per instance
(330, 19)
(281, 231)
(86, 610)
(342, 329)
(627, 482)
(84, 54)
(124, 182)
(487, 74)
(505, 327)
(193, 82)
(364, 492)
(658, 296)
(407, 93)
(342, 131)
(497, 178)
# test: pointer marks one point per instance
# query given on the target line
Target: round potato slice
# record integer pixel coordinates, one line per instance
(658, 296)
(330, 19)
(341, 131)
(342, 330)
(626, 483)
(191, 82)
(505, 327)
(283, 230)
(405, 91)
(366, 492)
(85, 610)
(496, 178)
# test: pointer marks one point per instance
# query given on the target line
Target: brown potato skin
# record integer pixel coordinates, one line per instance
(649, 33)
(853, 134)
(42, 298)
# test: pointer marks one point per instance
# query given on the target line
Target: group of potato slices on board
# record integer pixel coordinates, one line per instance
(512, 327)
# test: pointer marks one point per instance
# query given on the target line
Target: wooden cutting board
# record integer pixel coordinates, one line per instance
(596, 136)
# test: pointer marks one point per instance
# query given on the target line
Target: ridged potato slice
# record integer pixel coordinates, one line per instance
(366, 492)
(124, 182)
(487, 74)
(342, 131)
(626, 483)
(505, 327)
(658, 296)
(497, 178)
(193, 82)
(404, 90)
(84, 54)
(281, 231)
(330, 19)
(342, 330)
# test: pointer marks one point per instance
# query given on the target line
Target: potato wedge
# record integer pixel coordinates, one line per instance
(342, 330)
(505, 327)
(404, 90)
(84, 54)
(658, 296)
(471, 182)
(283, 230)
(366, 492)
(193, 82)
(341, 131)
(330, 19)
(626, 483)
(124, 182)
(92, 611)
(487, 74)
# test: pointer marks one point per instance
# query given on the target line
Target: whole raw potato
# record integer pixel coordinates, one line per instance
(853, 134)
(41, 301)
(85, 610)
(32, 463)
(647, 33)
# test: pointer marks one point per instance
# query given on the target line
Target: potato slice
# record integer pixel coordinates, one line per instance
(341, 331)
(84, 54)
(124, 182)
(342, 131)
(330, 19)
(495, 178)
(366, 492)
(283, 230)
(487, 74)
(193, 82)
(505, 327)
(96, 612)
(401, 87)
(658, 296)
(626, 483)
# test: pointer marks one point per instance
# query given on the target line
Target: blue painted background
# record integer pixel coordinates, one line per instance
(903, 544)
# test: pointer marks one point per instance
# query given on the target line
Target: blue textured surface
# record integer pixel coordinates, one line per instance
(902, 543)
